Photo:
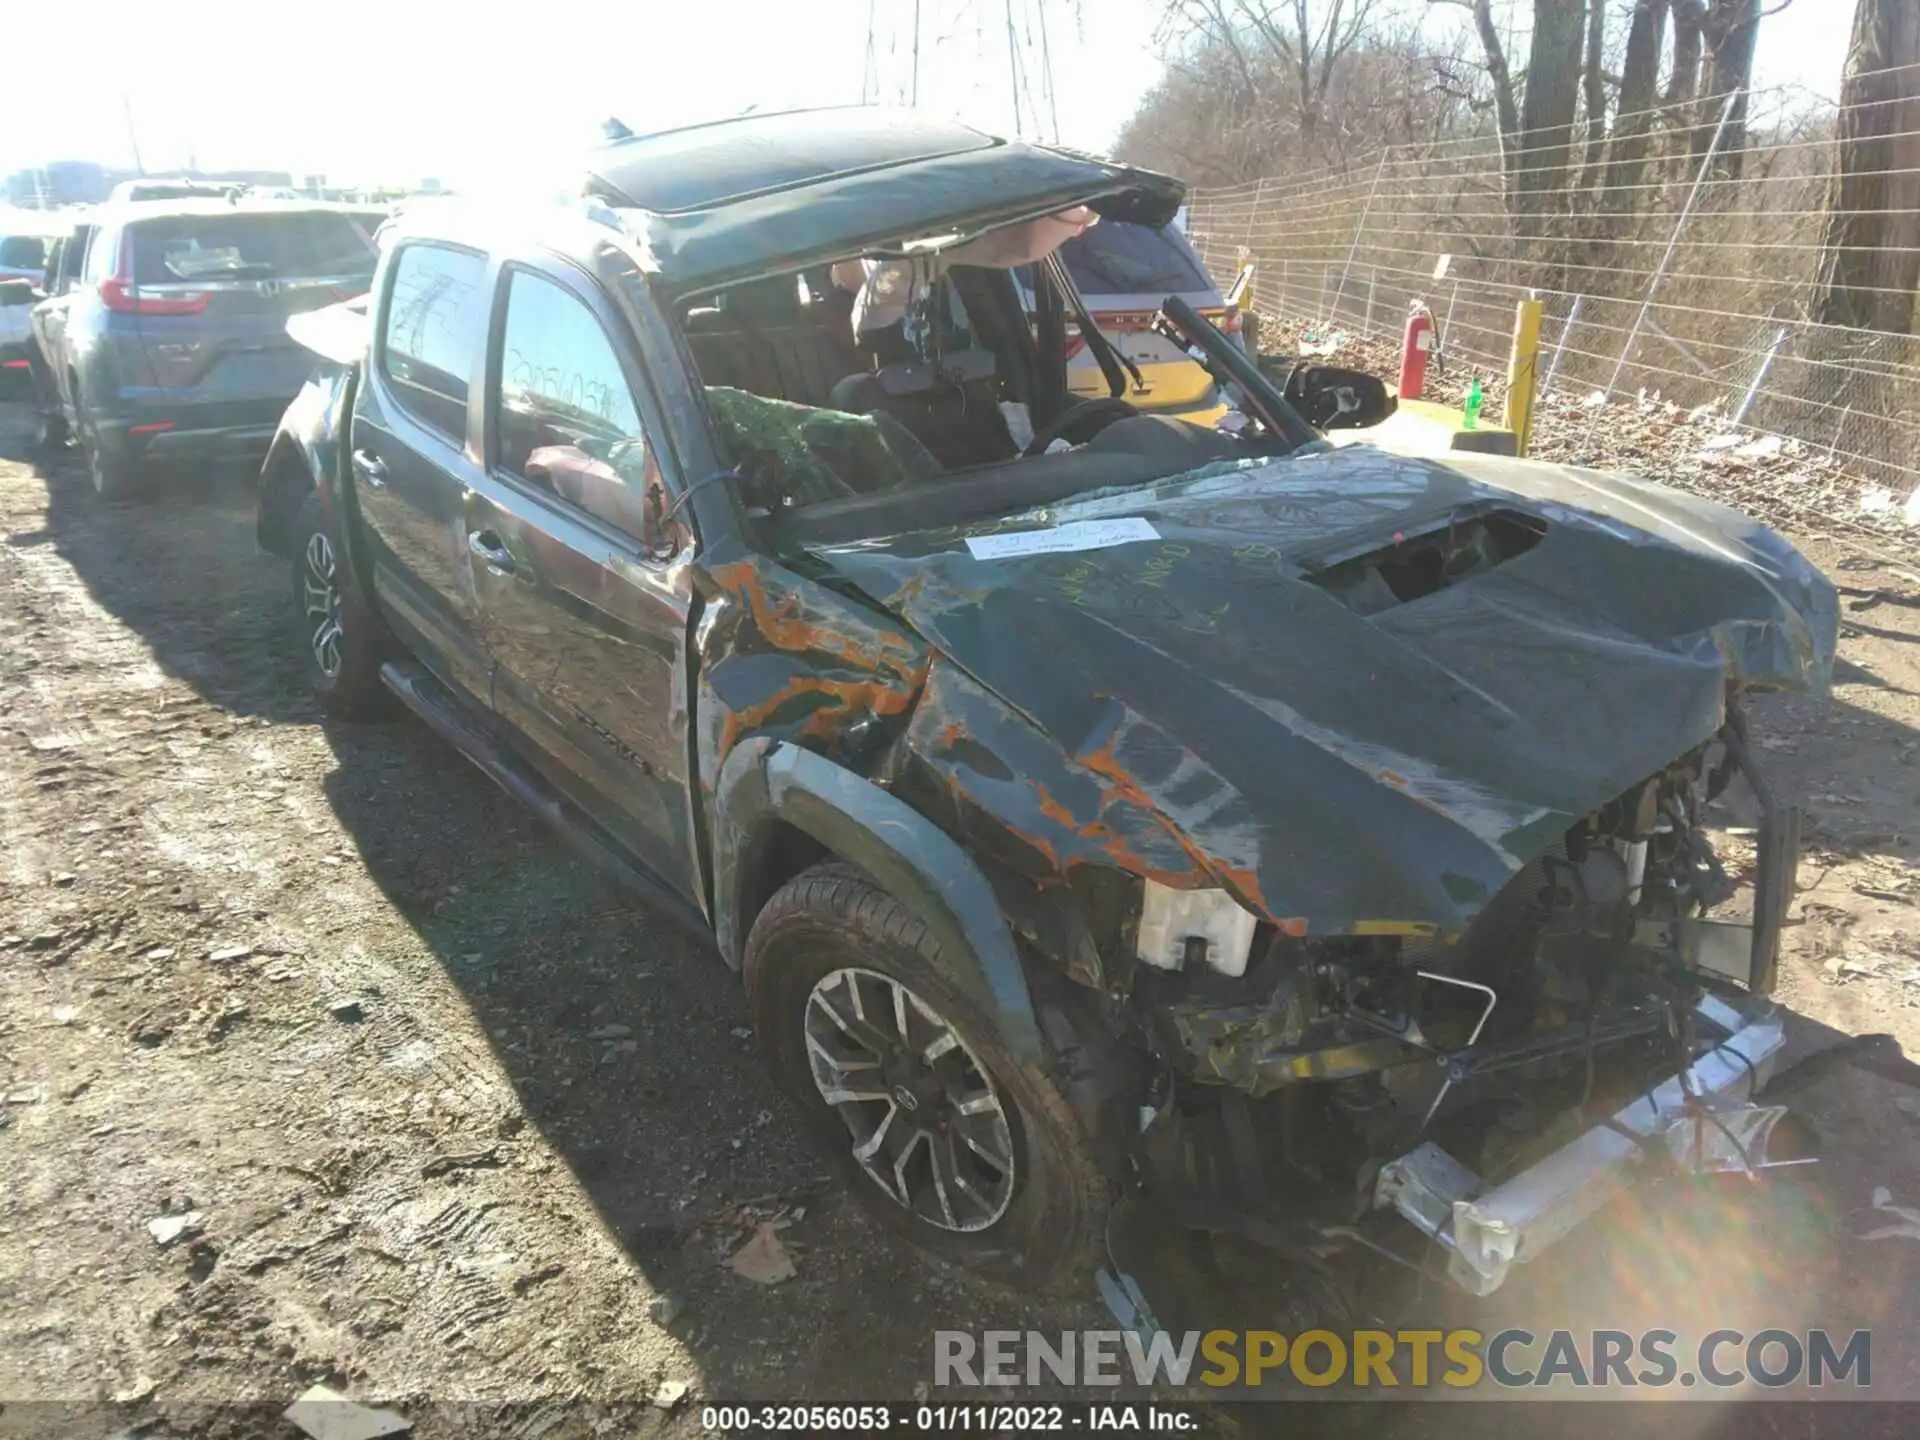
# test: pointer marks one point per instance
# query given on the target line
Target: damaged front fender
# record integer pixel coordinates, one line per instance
(766, 781)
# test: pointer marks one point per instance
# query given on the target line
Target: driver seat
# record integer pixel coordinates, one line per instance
(950, 406)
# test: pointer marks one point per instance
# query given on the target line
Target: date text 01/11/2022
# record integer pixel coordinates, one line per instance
(949, 1419)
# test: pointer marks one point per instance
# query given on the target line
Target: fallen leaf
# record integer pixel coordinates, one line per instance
(1908, 1229)
(166, 1229)
(763, 1259)
(328, 1415)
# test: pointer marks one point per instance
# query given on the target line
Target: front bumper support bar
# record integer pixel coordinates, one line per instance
(1488, 1231)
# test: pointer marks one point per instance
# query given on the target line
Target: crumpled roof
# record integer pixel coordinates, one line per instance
(738, 197)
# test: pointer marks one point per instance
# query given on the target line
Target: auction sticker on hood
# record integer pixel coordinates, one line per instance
(1074, 535)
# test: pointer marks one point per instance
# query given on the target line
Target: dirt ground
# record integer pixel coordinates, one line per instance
(458, 1121)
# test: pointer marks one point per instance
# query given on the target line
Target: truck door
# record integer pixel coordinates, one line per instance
(587, 632)
(413, 465)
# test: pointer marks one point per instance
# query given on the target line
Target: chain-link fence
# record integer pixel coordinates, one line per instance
(1699, 281)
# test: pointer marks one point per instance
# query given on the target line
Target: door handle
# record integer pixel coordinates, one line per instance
(370, 468)
(485, 545)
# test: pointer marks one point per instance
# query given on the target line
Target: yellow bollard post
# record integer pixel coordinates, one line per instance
(1523, 370)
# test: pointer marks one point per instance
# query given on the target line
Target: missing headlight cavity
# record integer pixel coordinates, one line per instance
(1411, 566)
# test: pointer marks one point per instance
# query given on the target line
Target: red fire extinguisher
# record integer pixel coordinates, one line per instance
(1422, 339)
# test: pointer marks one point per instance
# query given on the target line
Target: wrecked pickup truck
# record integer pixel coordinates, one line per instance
(1094, 804)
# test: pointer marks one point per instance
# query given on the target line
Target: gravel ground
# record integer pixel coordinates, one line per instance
(424, 1110)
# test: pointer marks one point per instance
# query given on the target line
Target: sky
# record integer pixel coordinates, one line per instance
(394, 91)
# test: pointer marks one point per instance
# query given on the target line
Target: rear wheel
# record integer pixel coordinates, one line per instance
(52, 437)
(338, 635)
(909, 1092)
(114, 477)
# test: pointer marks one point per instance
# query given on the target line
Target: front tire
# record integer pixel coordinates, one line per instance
(908, 1091)
(338, 634)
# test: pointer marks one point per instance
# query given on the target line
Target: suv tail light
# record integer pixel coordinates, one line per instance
(123, 297)
(120, 295)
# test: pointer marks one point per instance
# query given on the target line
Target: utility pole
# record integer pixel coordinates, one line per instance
(133, 140)
(868, 77)
(915, 90)
(1046, 74)
(1013, 69)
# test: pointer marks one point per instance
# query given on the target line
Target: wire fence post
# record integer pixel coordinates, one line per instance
(1253, 212)
(1560, 345)
(1759, 378)
(1704, 263)
(1673, 240)
(1358, 227)
(1523, 370)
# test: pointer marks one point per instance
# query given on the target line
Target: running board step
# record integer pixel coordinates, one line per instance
(455, 722)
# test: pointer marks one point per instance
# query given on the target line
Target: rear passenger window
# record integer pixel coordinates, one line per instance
(73, 255)
(101, 254)
(435, 316)
(566, 420)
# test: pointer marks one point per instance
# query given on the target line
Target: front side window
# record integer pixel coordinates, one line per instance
(436, 312)
(565, 418)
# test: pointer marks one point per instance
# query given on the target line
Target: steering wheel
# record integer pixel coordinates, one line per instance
(1097, 413)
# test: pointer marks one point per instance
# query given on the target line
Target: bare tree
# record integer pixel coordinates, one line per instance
(1216, 119)
(1689, 26)
(1300, 40)
(1506, 102)
(1870, 263)
(1547, 108)
(1593, 90)
(1729, 31)
(1633, 121)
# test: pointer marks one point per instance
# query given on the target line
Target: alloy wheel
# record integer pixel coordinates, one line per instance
(96, 465)
(925, 1119)
(322, 590)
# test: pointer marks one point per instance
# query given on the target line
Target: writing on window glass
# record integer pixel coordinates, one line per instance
(534, 385)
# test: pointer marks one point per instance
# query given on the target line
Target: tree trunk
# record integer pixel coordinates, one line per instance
(1731, 31)
(1506, 108)
(1689, 16)
(1593, 89)
(1633, 121)
(1546, 113)
(1871, 262)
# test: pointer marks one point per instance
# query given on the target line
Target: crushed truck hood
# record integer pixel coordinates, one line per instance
(1340, 770)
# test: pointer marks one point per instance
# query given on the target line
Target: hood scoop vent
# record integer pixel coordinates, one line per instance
(1410, 566)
